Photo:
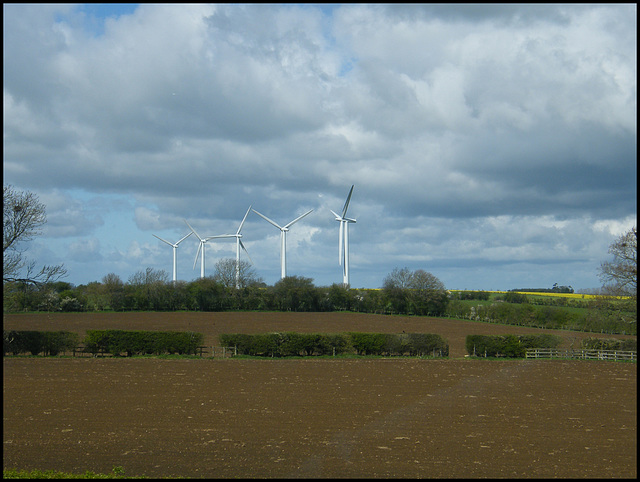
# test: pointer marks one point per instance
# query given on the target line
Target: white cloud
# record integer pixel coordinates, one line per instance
(490, 135)
(615, 227)
(86, 249)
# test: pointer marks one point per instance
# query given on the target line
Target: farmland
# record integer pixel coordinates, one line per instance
(316, 417)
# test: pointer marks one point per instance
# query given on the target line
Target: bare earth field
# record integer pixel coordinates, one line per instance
(230, 418)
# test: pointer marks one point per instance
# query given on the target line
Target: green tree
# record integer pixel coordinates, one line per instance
(427, 294)
(339, 297)
(295, 293)
(112, 290)
(394, 287)
(207, 295)
(148, 288)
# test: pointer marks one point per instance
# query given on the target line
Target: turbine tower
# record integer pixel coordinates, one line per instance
(283, 239)
(239, 244)
(175, 254)
(343, 239)
(203, 241)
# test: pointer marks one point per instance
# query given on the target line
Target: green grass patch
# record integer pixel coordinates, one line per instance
(116, 473)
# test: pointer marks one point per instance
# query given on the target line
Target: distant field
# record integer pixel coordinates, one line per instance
(556, 295)
(214, 324)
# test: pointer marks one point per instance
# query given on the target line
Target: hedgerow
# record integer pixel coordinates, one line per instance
(511, 346)
(316, 344)
(609, 344)
(51, 343)
(137, 342)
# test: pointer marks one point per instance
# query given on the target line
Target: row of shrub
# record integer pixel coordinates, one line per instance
(115, 342)
(137, 342)
(315, 344)
(600, 317)
(35, 342)
(511, 346)
(609, 344)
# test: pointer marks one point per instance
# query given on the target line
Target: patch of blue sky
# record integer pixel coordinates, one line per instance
(347, 66)
(328, 10)
(95, 14)
(107, 10)
(115, 210)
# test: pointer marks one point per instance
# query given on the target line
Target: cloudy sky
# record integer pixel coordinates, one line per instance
(493, 146)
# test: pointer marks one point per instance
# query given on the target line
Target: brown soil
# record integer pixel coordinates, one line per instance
(316, 418)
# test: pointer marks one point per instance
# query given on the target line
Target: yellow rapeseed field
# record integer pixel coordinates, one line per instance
(558, 295)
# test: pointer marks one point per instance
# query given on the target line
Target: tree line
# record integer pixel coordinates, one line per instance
(150, 290)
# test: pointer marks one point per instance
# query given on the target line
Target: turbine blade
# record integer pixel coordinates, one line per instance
(197, 254)
(220, 236)
(335, 214)
(170, 244)
(267, 219)
(243, 220)
(245, 250)
(346, 204)
(340, 245)
(183, 238)
(194, 231)
(298, 218)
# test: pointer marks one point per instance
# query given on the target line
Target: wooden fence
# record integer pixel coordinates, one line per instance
(582, 354)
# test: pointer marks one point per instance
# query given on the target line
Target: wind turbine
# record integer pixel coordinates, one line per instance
(239, 244)
(343, 239)
(175, 254)
(201, 248)
(283, 239)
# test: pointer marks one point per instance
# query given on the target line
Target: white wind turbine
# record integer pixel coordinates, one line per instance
(175, 254)
(203, 241)
(239, 244)
(283, 239)
(343, 239)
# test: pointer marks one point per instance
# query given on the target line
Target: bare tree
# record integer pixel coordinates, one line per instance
(417, 280)
(227, 275)
(620, 276)
(23, 216)
(142, 278)
(399, 278)
(419, 292)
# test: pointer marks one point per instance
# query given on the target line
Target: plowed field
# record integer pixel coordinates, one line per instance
(316, 418)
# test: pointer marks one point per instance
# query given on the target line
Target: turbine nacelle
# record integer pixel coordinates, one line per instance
(239, 245)
(201, 247)
(175, 254)
(283, 238)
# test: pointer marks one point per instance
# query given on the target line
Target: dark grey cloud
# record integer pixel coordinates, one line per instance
(476, 135)
(515, 14)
